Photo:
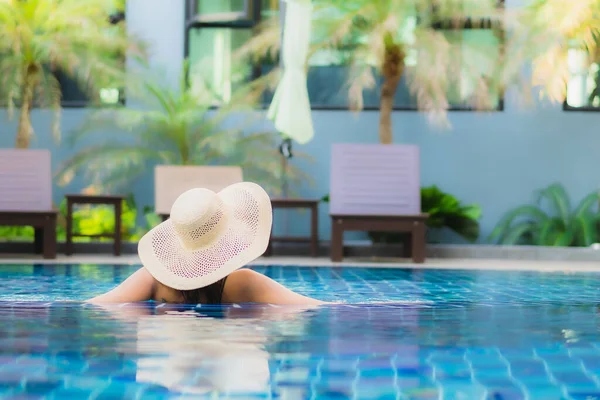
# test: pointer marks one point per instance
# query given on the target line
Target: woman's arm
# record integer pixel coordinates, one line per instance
(247, 286)
(138, 287)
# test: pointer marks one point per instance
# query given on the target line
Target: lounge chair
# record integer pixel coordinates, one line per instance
(170, 181)
(26, 195)
(376, 188)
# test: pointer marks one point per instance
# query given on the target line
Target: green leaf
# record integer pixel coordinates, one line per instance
(586, 229)
(465, 227)
(532, 214)
(548, 232)
(516, 234)
(473, 211)
(559, 199)
(588, 202)
(564, 239)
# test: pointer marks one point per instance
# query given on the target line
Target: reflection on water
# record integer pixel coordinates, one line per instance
(342, 351)
(194, 357)
(411, 334)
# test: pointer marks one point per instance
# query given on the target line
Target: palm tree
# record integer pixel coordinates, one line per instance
(558, 27)
(179, 127)
(39, 38)
(417, 39)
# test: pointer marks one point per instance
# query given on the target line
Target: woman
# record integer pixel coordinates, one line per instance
(196, 256)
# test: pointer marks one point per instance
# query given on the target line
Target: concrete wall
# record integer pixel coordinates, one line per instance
(494, 159)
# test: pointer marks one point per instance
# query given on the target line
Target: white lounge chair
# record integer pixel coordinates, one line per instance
(376, 188)
(170, 181)
(26, 195)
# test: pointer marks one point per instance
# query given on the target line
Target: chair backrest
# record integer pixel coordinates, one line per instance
(375, 180)
(25, 180)
(170, 181)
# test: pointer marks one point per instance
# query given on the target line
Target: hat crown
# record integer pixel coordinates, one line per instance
(198, 217)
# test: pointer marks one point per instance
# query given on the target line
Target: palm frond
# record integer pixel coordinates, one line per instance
(555, 27)
(108, 165)
(188, 132)
(73, 37)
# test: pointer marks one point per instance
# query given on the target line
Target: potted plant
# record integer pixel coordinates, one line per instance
(445, 212)
(178, 126)
(551, 221)
(41, 40)
(49, 41)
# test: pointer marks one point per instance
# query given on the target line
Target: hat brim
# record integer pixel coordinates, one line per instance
(244, 238)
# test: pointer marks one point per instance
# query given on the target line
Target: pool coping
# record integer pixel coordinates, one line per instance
(432, 263)
(361, 249)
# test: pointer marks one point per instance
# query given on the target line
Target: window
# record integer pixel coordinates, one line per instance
(331, 69)
(216, 29)
(583, 87)
(73, 96)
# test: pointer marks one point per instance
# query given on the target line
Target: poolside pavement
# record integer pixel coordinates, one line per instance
(431, 263)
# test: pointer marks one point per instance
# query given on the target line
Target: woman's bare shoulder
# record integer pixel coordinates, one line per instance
(248, 286)
(139, 286)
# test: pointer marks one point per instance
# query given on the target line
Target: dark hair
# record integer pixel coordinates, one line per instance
(211, 294)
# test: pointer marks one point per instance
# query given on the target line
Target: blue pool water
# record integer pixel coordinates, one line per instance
(400, 334)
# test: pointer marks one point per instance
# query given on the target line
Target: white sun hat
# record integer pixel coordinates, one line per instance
(208, 236)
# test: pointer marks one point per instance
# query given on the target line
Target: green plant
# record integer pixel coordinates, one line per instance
(39, 38)
(557, 28)
(98, 220)
(551, 221)
(179, 127)
(92, 220)
(445, 211)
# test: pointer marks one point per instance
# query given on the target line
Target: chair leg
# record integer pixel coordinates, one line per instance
(118, 212)
(314, 232)
(69, 228)
(407, 245)
(49, 234)
(418, 243)
(337, 241)
(38, 241)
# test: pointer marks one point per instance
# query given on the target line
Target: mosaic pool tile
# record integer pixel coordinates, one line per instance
(398, 334)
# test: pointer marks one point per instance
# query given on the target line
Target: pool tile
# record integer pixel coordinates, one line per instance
(505, 394)
(71, 394)
(380, 372)
(573, 378)
(24, 396)
(289, 393)
(415, 348)
(295, 375)
(463, 392)
(117, 391)
(85, 383)
(376, 381)
(385, 393)
(421, 393)
(585, 395)
(41, 386)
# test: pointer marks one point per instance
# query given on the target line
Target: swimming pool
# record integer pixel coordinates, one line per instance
(439, 334)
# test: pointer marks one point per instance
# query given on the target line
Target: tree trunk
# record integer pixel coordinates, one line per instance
(392, 69)
(25, 130)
